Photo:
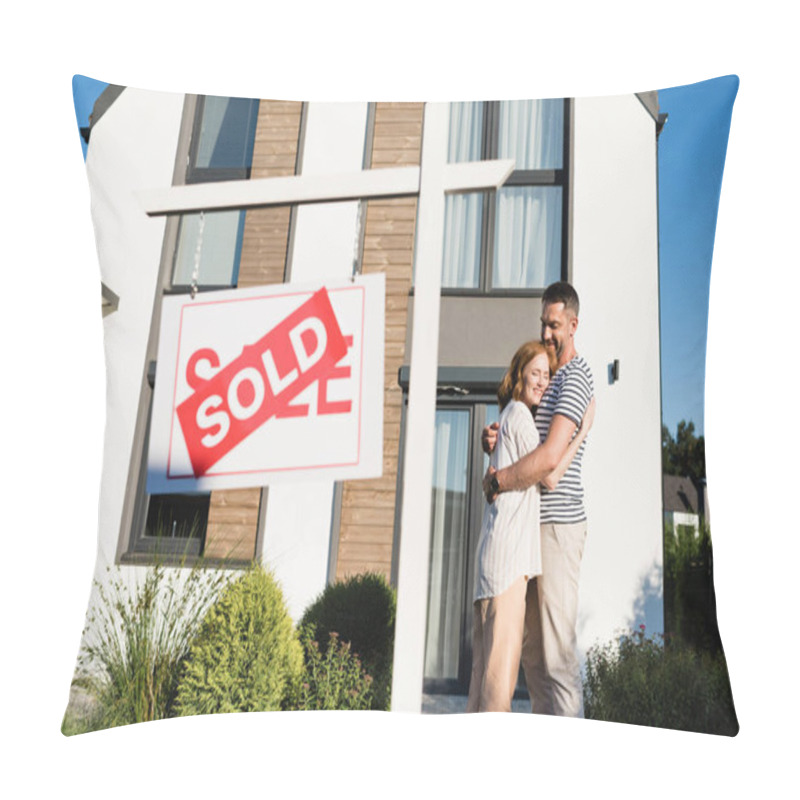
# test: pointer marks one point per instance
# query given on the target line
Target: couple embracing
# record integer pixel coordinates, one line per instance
(534, 525)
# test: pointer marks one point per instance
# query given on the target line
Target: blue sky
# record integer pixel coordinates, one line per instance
(85, 91)
(691, 156)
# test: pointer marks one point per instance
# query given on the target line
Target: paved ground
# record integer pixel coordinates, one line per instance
(457, 704)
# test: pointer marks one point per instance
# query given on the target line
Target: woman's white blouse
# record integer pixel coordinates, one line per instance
(510, 544)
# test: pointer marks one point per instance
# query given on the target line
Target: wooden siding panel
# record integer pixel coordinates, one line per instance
(360, 567)
(373, 553)
(264, 246)
(233, 514)
(277, 135)
(232, 524)
(366, 532)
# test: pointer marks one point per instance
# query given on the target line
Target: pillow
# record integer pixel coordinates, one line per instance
(275, 484)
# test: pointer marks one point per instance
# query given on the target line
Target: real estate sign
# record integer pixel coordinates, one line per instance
(256, 386)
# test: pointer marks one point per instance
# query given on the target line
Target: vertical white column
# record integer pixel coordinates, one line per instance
(297, 530)
(412, 583)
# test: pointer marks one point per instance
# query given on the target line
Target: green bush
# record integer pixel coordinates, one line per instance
(134, 644)
(333, 677)
(690, 609)
(361, 610)
(639, 680)
(245, 656)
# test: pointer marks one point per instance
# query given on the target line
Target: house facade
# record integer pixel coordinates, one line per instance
(580, 205)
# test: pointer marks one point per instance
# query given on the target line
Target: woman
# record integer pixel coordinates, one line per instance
(509, 547)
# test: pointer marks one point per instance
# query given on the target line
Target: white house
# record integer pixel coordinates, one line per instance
(579, 205)
(685, 503)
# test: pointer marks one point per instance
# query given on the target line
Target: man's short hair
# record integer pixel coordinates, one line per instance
(562, 292)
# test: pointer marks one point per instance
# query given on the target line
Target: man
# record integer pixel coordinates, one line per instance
(549, 653)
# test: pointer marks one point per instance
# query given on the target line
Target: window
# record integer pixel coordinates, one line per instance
(450, 540)
(174, 527)
(466, 401)
(169, 526)
(456, 514)
(222, 140)
(456, 517)
(214, 243)
(221, 148)
(512, 240)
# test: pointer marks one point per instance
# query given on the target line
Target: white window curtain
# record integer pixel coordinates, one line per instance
(531, 132)
(448, 544)
(461, 260)
(527, 241)
(466, 132)
(528, 219)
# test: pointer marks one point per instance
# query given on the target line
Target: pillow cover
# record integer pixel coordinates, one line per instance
(231, 233)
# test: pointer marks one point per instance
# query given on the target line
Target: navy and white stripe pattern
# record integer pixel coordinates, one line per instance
(569, 394)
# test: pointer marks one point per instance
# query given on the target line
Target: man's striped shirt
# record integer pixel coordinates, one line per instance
(569, 394)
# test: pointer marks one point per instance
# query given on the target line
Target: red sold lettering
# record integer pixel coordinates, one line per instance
(261, 382)
(324, 406)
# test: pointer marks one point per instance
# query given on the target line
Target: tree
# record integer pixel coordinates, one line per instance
(685, 454)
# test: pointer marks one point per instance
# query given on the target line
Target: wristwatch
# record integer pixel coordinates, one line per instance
(494, 484)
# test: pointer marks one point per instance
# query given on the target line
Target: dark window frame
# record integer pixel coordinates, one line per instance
(473, 389)
(186, 288)
(141, 548)
(195, 174)
(460, 685)
(518, 178)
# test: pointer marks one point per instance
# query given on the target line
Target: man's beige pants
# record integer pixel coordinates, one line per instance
(496, 648)
(549, 649)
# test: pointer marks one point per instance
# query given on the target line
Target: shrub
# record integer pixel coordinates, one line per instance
(690, 609)
(245, 656)
(134, 644)
(639, 680)
(361, 610)
(333, 678)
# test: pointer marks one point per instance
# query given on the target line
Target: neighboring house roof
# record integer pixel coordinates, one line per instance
(682, 494)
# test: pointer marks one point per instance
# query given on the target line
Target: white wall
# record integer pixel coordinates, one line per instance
(615, 268)
(297, 531)
(132, 148)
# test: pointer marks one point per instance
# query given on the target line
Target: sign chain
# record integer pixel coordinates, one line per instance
(357, 243)
(197, 252)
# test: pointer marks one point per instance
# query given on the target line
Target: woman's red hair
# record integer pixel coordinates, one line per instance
(511, 386)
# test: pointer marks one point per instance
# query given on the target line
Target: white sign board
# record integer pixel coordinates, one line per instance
(276, 383)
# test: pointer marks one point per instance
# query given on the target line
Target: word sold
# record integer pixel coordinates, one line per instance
(260, 383)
